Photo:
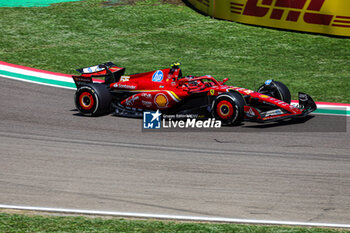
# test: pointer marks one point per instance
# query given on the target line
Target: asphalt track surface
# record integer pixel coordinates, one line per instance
(52, 157)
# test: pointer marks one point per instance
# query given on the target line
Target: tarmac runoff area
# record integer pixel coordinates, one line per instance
(52, 157)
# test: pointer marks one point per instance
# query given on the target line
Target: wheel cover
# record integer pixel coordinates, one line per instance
(86, 100)
(225, 109)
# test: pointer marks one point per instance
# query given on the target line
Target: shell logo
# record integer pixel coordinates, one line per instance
(264, 96)
(161, 100)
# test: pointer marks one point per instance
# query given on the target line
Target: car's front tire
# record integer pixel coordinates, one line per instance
(276, 90)
(93, 99)
(228, 108)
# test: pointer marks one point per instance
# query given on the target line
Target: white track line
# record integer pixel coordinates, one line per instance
(172, 217)
(329, 114)
(40, 83)
(37, 74)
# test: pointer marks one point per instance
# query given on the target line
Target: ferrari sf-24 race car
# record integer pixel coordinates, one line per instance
(169, 92)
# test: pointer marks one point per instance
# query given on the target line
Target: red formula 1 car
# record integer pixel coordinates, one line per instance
(171, 93)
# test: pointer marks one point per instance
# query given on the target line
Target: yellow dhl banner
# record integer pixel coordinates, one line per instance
(319, 16)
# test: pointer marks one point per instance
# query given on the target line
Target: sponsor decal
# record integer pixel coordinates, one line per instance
(146, 95)
(147, 104)
(240, 89)
(250, 113)
(124, 86)
(157, 76)
(82, 79)
(264, 96)
(293, 109)
(282, 103)
(151, 120)
(161, 100)
(131, 100)
(293, 9)
(124, 79)
(247, 92)
(273, 112)
(320, 16)
(92, 69)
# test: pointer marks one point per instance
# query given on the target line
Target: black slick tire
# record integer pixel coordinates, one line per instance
(276, 90)
(93, 99)
(228, 108)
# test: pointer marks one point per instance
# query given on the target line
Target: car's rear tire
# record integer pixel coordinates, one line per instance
(93, 99)
(228, 108)
(276, 90)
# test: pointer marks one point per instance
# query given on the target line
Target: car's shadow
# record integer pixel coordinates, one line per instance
(79, 114)
(251, 125)
(292, 121)
(76, 113)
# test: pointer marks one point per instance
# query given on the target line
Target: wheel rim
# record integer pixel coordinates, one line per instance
(224, 109)
(86, 100)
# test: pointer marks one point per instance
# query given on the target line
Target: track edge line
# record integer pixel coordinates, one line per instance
(172, 217)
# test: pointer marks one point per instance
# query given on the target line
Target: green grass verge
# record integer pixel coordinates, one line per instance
(30, 3)
(35, 223)
(149, 36)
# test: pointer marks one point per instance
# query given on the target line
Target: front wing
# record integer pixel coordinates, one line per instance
(305, 107)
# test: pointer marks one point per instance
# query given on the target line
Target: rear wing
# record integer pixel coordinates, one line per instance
(97, 68)
(109, 71)
(79, 80)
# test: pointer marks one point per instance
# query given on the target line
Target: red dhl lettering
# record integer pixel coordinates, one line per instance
(323, 16)
(293, 7)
